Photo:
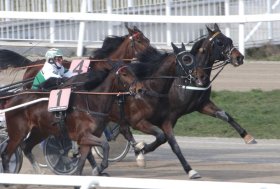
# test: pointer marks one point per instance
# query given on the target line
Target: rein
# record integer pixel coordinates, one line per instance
(94, 60)
(76, 92)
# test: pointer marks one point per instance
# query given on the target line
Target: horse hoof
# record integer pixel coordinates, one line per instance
(139, 146)
(194, 175)
(140, 160)
(249, 139)
(104, 174)
(95, 171)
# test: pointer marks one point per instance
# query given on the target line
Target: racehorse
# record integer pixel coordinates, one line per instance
(84, 120)
(139, 113)
(114, 47)
(184, 99)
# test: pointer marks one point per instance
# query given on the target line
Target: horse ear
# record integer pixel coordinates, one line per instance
(216, 27)
(183, 46)
(209, 30)
(136, 29)
(130, 31)
(175, 48)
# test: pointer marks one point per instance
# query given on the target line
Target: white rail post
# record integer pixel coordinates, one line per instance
(81, 30)
(241, 29)
(50, 8)
(269, 24)
(227, 32)
(109, 11)
(168, 25)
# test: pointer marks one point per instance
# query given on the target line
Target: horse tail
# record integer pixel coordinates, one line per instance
(12, 59)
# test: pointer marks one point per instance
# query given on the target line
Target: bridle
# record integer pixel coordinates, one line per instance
(136, 37)
(131, 90)
(220, 66)
(190, 66)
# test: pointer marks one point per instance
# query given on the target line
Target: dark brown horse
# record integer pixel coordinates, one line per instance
(184, 98)
(84, 120)
(139, 113)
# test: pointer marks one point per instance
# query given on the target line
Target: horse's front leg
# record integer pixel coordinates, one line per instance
(91, 159)
(168, 130)
(142, 148)
(212, 110)
(91, 140)
(84, 151)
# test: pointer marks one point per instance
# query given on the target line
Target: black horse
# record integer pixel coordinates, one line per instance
(184, 97)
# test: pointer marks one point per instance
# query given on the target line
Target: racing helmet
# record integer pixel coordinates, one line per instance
(53, 52)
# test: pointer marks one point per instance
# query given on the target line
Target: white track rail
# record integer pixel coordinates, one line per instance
(23, 105)
(86, 182)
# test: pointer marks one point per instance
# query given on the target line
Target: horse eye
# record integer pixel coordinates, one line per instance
(220, 43)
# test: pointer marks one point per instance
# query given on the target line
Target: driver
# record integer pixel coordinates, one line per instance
(52, 71)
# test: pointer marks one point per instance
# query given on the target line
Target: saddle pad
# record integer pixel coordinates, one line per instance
(59, 100)
(79, 66)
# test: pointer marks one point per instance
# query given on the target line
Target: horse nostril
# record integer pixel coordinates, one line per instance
(240, 59)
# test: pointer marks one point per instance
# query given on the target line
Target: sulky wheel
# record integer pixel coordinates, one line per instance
(119, 146)
(16, 159)
(56, 154)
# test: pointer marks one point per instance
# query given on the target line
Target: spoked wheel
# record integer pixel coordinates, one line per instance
(16, 159)
(39, 151)
(119, 146)
(56, 155)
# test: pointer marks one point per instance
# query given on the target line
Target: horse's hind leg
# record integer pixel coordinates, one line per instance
(34, 138)
(212, 110)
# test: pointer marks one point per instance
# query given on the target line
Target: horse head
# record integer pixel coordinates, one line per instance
(222, 48)
(138, 40)
(127, 78)
(187, 66)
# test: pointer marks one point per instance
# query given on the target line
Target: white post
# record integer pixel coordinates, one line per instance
(227, 32)
(130, 3)
(50, 8)
(7, 8)
(241, 29)
(109, 11)
(81, 30)
(168, 25)
(269, 24)
(89, 6)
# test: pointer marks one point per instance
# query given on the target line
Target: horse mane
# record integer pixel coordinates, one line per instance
(86, 81)
(196, 46)
(149, 61)
(109, 45)
(10, 58)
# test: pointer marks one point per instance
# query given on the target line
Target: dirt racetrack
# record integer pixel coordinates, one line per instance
(265, 164)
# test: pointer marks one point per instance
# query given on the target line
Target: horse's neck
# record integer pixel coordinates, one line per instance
(124, 51)
(204, 59)
(168, 68)
(103, 102)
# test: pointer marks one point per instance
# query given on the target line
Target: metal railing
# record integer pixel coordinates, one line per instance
(92, 28)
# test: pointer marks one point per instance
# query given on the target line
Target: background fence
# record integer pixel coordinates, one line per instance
(162, 21)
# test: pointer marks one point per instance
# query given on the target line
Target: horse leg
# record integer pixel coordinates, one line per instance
(34, 138)
(142, 148)
(84, 151)
(91, 140)
(212, 110)
(167, 128)
(91, 160)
